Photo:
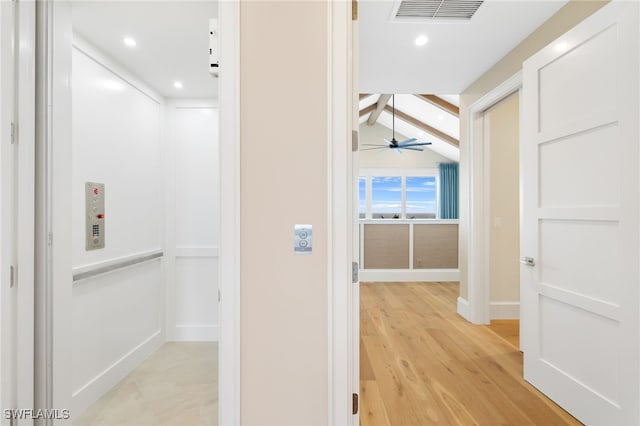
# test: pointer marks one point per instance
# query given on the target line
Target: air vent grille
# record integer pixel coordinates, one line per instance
(437, 9)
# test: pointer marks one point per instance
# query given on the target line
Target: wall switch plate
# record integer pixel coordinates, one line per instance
(303, 239)
(94, 213)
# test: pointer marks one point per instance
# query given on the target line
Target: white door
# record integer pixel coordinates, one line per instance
(580, 191)
(17, 173)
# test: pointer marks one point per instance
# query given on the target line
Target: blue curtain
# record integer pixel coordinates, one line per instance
(448, 190)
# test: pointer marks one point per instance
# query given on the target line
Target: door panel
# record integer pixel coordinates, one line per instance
(565, 105)
(570, 262)
(580, 218)
(597, 165)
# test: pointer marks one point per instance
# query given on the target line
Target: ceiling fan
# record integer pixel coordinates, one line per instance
(410, 144)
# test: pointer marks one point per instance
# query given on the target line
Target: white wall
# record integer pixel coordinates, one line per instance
(391, 159)
(117, 318)
(192, 222)
(284, 298)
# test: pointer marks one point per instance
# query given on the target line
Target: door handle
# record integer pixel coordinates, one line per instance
(529, 261)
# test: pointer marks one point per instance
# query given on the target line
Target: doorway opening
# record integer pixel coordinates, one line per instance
(501, 140)
(139, 174)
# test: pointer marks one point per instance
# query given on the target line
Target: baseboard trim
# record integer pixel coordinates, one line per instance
(504, 310)
(196, 333)
(84, 397)
(463, 309)
(403, 275)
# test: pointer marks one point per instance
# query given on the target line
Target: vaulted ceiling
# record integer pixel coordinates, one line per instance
(427, 117)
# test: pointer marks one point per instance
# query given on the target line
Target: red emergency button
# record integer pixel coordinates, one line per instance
(96, 191)
(101, 216)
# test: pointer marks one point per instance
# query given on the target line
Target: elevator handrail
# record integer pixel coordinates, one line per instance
(116, 265)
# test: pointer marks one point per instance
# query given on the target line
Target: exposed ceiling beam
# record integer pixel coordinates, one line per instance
(381, 105)
(424, 127)
(364, 95)
(441, 103)
(368, 109)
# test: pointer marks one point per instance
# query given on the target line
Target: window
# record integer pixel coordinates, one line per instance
(398, 194)
(421, 197)
(386, 198)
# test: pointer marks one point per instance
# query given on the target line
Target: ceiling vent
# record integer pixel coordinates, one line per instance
(429, 10)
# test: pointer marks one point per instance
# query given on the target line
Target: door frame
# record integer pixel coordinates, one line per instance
(53, 275)
(475, 166)
(25, 186)
(229, 255)
(18, 335)
(343, 341)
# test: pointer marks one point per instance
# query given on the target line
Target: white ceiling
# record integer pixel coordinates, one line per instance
(172, 41)
(457, 52)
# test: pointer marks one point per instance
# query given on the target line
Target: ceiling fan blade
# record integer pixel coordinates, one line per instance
(406, 141)
(378, 147)
(398, 150)
(418, 144)
(373, 144)
(412, 148)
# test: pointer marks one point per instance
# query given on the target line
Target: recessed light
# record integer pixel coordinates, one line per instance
(129, 41)
(112, 85)
(422, 40)
(177, 84)
(562, 46)
(440, 117)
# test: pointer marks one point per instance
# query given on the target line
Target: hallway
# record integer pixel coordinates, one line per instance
(422, 364)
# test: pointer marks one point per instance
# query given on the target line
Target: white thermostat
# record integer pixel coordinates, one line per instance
(303, 239)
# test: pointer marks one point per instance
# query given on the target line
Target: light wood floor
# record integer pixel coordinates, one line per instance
(422, 364)
(177, 385)
(509, 330)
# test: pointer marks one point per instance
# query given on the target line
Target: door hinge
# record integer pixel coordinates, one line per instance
(50, 239)
(355, 268)
(354, 10)
(219, 295)
(354, 140)
(355, 404)
(12, 276)
(14, 133)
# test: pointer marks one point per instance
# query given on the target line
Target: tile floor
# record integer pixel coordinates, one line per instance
(177, 385)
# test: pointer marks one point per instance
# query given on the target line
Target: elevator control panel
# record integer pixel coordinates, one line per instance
(303, 239)
(94, 202)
